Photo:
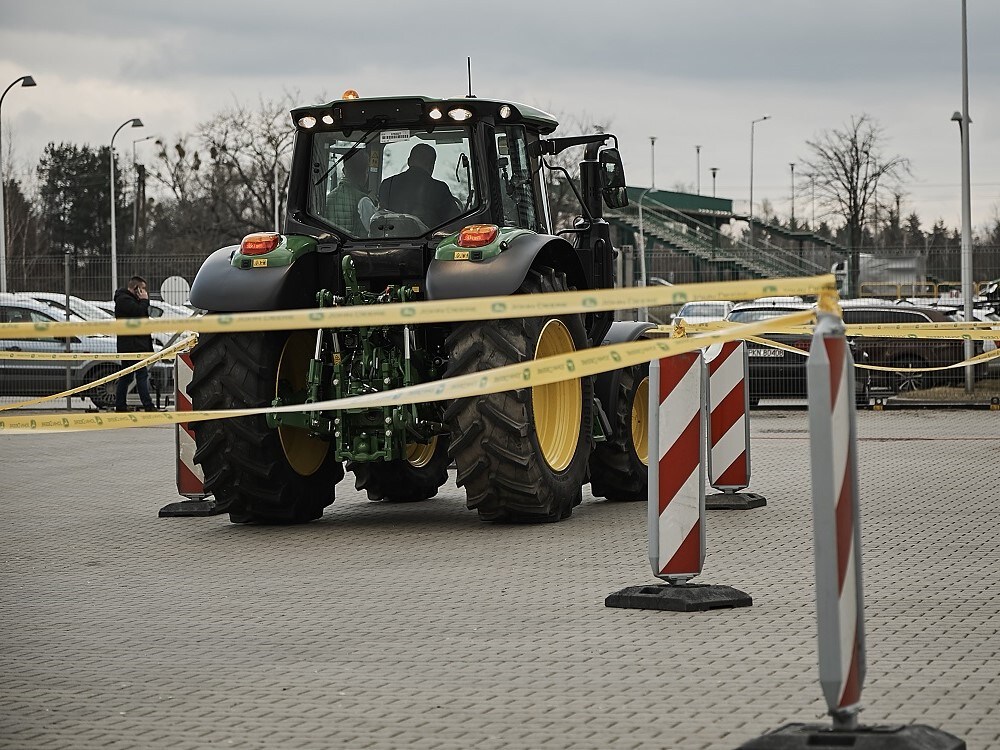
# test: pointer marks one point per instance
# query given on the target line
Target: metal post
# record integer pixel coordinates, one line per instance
(25, 81)
(714, 171)
(752, 125)
(791, 166)
(652, 162)
(277, 227)
(69, 377)
(966, 200)
(643, 311)
(697, 162)
(135, 122)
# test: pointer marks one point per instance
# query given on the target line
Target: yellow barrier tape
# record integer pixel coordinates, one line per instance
(978, 359)
(434, 311)
(162, 354)
(530, 374)
(70, 356)
(962, 331)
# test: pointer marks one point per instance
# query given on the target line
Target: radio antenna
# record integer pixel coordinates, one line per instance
(468, 61)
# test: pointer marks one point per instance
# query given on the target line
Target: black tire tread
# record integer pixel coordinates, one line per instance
(616, 473)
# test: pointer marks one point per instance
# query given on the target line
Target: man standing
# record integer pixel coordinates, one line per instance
(349, 193)
(133, 302)
(415, 192)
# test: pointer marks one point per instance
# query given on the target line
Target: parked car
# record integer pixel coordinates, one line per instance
(704, 311)
(157, 309)
(907, 352)
(79, 307)
(27, 378)
(776, 373)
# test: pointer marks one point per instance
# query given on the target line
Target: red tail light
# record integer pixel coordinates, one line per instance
(260, 243)
(477, 235)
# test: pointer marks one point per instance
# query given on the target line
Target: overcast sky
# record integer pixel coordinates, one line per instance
(686, 71)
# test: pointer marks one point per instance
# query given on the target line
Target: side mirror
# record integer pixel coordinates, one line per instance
(613, 179)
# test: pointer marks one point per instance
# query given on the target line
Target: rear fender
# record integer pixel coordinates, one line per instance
(606, 384)
(219, 286)
(504, 273)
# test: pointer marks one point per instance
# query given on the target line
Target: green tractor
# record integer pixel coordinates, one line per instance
(401, 199)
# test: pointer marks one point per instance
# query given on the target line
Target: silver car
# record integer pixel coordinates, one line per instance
(41, 377)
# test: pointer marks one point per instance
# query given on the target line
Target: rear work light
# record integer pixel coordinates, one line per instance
(260, 243)
(477, 235)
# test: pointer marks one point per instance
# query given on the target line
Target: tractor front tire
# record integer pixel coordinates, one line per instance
(257, 473)
(521, 455)
(416, 477)
(619, 466)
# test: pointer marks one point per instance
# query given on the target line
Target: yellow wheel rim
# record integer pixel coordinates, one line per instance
(640, 424)
(304, 453)
(418, 455)
(558, 407)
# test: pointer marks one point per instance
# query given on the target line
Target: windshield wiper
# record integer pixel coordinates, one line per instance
(362, 141)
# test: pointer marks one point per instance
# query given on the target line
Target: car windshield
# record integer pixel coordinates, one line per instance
(704, 310)
(395, 182)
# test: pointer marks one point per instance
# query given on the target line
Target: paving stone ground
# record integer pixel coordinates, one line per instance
(396, 626)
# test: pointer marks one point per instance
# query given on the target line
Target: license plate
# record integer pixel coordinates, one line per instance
(765, 353)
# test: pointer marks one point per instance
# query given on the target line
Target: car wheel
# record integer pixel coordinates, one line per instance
(908, 380)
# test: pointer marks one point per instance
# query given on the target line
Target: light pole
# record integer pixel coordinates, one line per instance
(963, 123)
(643, 311)
(135, 202)
(697, 167)
(752, 125)
(25, 81)
(791, 166)
(135, 122)
(714, 171)
(652, 163)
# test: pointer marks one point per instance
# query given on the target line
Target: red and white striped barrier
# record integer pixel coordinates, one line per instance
(676, 487)
(729, 428)
(836, 520)
(190, 478)
(676, 480)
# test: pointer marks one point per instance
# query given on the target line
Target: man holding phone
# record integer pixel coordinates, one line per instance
(133, 302)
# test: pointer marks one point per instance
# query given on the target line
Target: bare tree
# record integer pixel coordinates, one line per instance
(851, 175)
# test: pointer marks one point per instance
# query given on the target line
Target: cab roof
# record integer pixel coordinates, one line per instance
(366, 112)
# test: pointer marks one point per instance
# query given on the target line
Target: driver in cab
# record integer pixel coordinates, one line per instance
(414, 191)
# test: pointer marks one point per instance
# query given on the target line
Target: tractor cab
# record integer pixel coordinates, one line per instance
(411, 168)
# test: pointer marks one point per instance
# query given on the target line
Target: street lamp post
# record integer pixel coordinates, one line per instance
(963, 123)
(714, 171)
(791, 166)
(135, 203)
(652, 162)
(752, 125)
(135, 122)
(643, 311)
(697, 167)
(25, 81)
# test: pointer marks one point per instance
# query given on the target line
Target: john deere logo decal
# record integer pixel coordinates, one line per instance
(498, 307)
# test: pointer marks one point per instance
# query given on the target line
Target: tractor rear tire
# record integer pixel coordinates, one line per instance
(515, 463)
(620, 465)
(256, 473)
(407, 480)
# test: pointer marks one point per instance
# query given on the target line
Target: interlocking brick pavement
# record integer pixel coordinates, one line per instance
(390, 626)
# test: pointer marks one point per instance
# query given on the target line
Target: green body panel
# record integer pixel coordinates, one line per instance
(448, 247)
(290, 249)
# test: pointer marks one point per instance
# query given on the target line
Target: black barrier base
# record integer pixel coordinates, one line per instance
(688, 597)
(191, 508)
(734, 501)
(895, 737)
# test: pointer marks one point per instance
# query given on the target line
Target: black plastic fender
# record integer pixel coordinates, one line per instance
(219, 286)
(503, 274)
(606, 384)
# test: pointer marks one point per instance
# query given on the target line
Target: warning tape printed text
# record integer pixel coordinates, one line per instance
(434, 311)
(530, 374)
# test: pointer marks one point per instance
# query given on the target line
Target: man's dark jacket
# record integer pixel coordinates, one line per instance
(127, 305)
(415, 192)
